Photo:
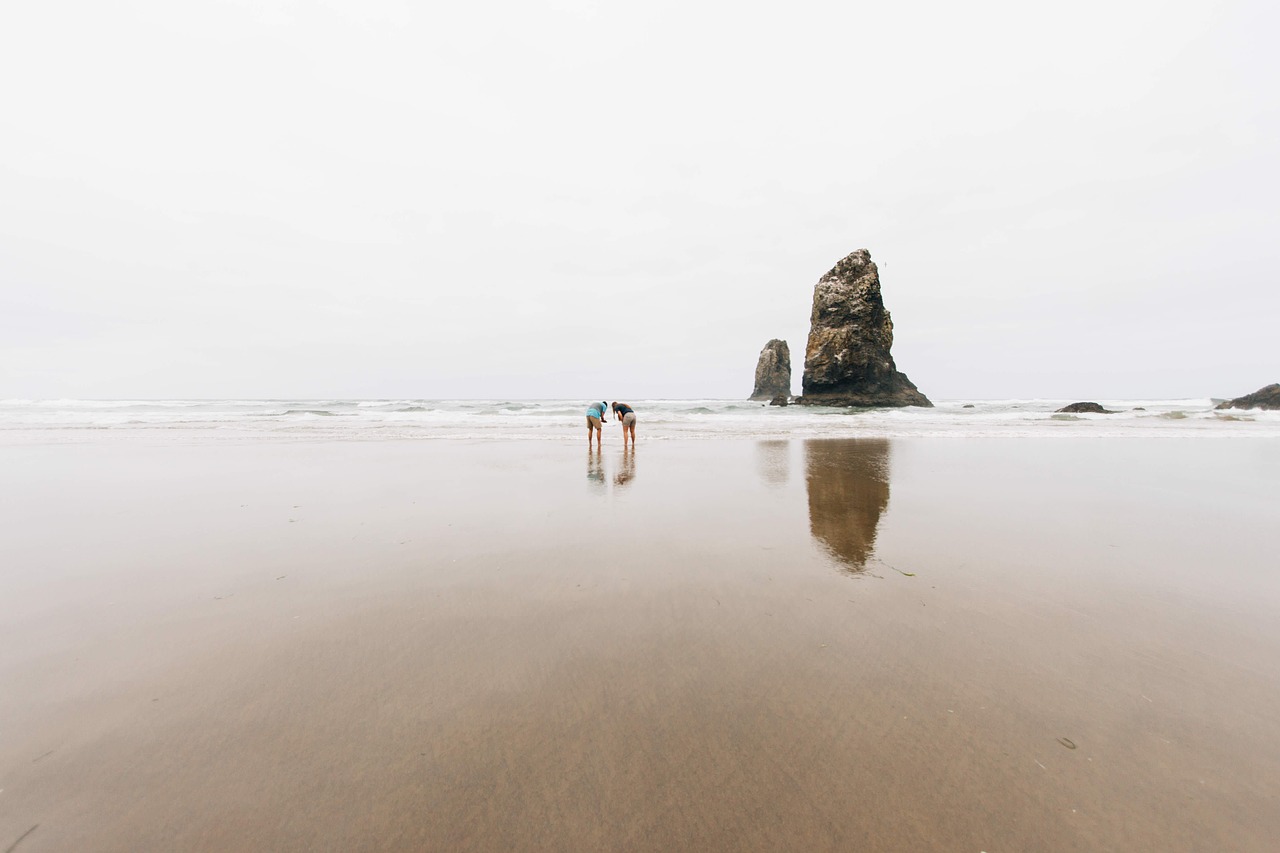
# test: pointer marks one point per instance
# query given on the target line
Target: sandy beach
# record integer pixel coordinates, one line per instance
(879, 644)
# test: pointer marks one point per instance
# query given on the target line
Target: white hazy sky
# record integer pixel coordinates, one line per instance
(575, 199)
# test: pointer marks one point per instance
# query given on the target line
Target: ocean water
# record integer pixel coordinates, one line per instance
(563, 420)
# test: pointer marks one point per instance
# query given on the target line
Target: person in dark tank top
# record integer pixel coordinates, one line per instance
(627, 415)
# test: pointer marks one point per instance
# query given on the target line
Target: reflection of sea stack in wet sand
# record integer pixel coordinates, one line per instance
(847, 360)
(773, 458)
(848, 483)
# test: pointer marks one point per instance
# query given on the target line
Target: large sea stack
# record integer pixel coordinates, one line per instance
(847, 361)
(773, 372)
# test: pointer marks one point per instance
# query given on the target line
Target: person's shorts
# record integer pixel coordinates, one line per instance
(593, 423)
(629, 419)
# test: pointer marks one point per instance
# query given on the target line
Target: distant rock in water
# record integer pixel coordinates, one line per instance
(1263, 398)
(781, 400)
(847, 361)
(968, 406)
(1086, 408)
(773, 371)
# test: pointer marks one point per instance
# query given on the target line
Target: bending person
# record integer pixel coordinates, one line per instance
(595, 415)
(627, 415)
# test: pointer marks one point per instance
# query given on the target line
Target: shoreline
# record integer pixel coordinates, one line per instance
(561, 420)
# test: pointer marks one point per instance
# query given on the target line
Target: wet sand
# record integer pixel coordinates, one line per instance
(1007, 644)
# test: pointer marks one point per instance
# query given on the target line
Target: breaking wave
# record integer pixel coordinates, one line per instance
(562, 420)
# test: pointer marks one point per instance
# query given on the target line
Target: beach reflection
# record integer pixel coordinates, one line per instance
(595, 470)
(848, 485)
(773, 460)
(627, 472)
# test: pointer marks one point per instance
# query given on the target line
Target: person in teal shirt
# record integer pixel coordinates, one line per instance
(595, 419)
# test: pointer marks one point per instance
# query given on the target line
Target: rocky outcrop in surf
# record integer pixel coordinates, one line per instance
(847, 361)
(773, 371)
(1085, 408)
(1263, 398)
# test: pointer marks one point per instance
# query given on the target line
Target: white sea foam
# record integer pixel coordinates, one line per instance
(658, 419)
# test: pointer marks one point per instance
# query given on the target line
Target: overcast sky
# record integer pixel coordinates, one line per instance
(574, 199)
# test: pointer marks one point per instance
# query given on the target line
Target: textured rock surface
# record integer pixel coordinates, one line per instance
(1085, 408)
(773, 371)
(780, 400)
(1263, 398)
(847, 361)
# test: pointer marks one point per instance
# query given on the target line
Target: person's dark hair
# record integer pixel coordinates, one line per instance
(615, 405)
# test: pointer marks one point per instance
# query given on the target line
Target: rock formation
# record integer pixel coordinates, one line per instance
(780, 400)
(773, 371)
(847, 361)
(1085, 408)
(1263, 398)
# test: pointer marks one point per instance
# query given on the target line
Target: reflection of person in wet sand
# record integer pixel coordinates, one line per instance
(628, 470)
(595, 468)
(848, 484)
